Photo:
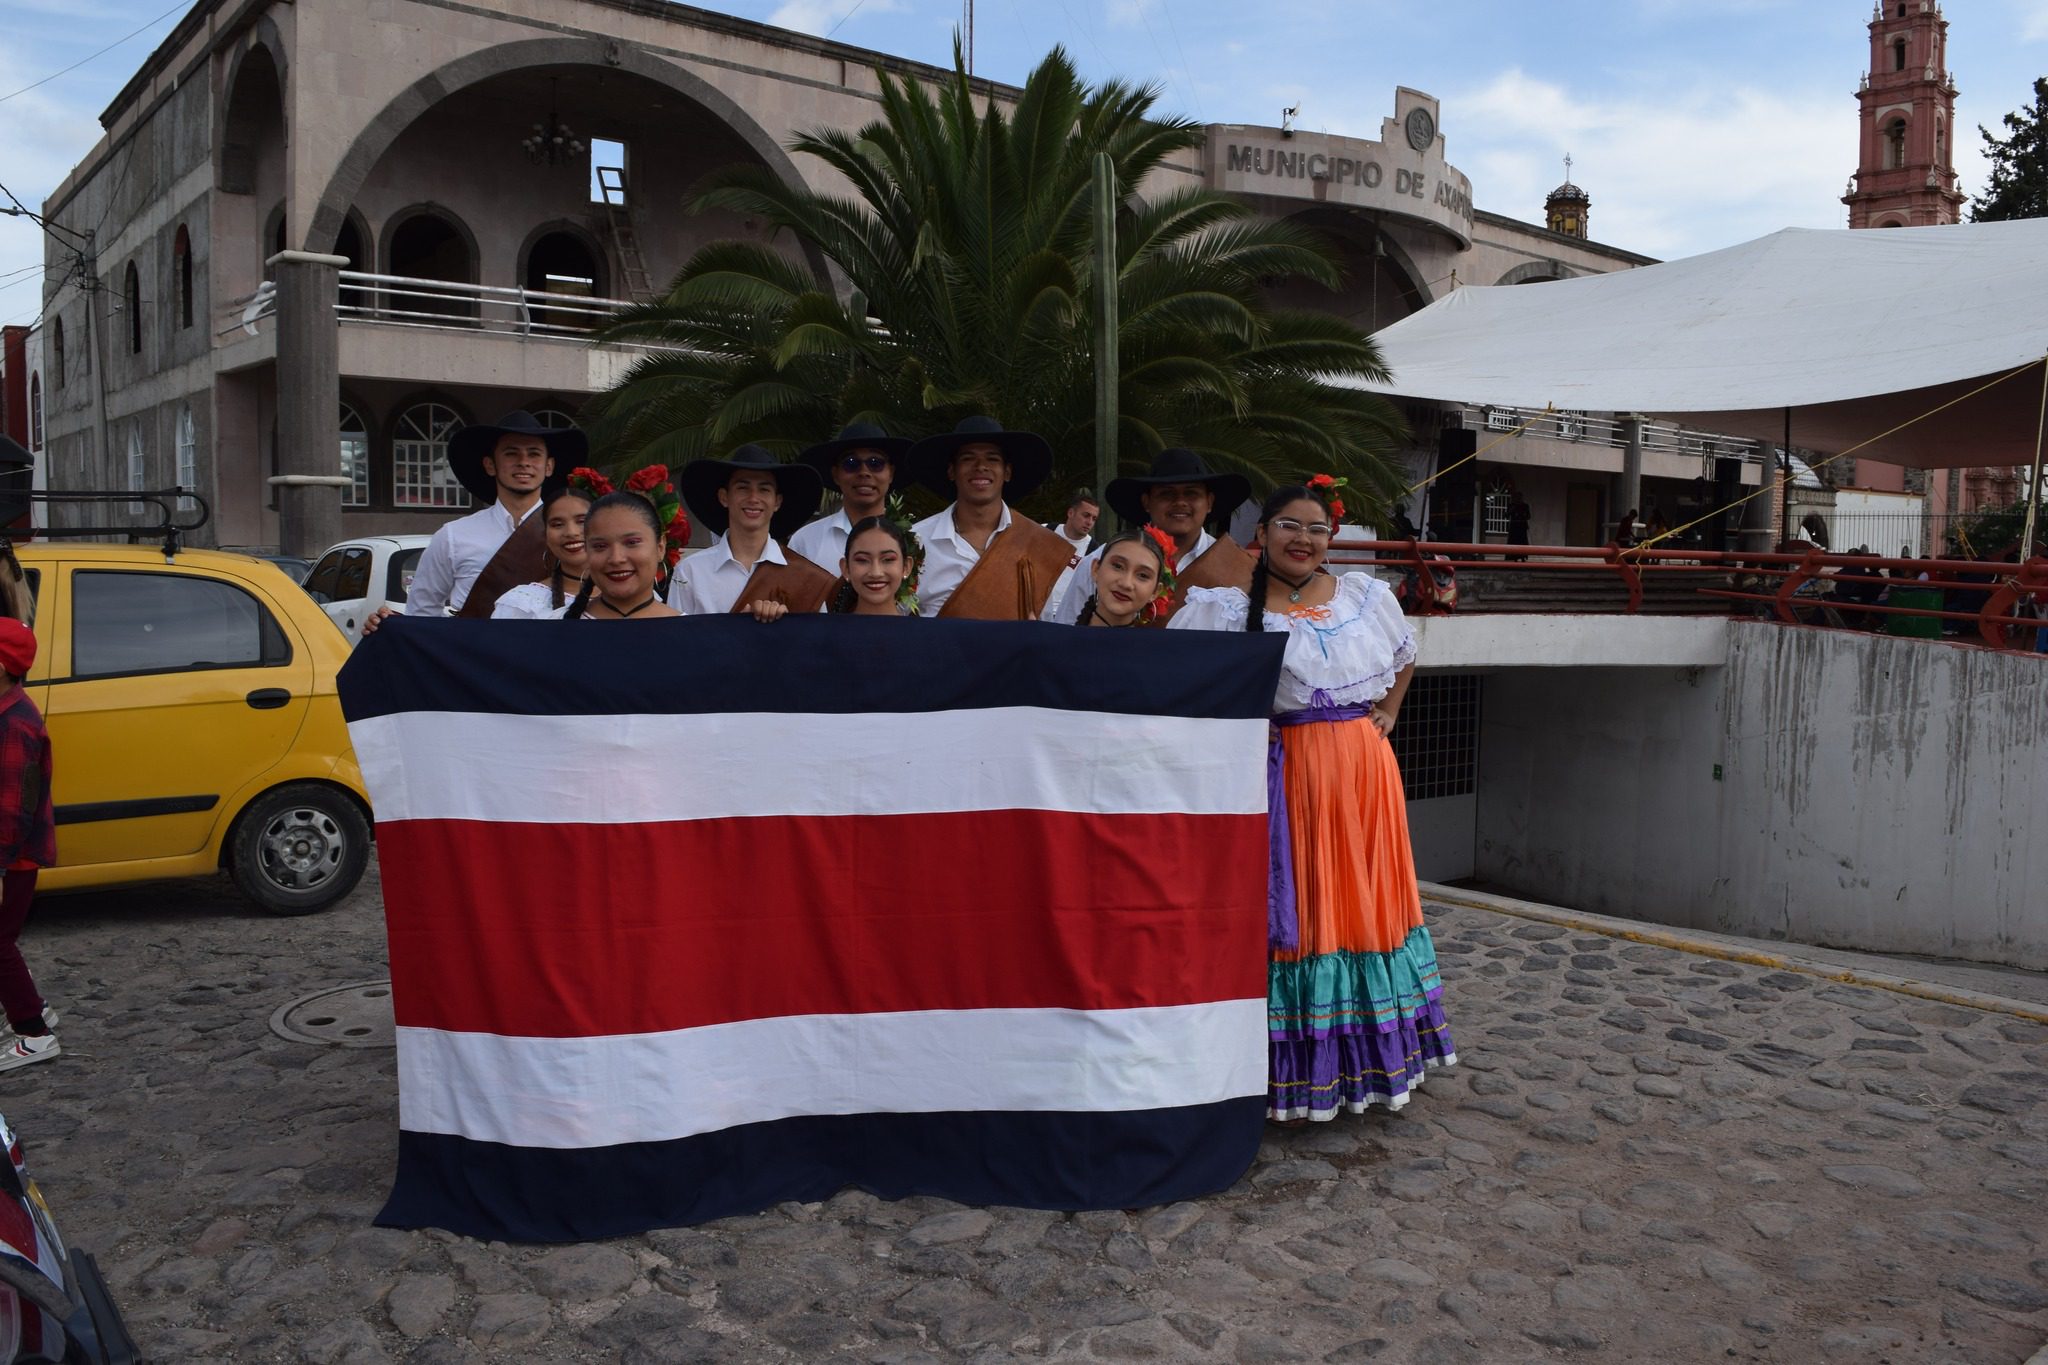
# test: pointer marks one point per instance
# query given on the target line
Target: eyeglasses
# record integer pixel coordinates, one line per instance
(1316, 530)
(874, 464)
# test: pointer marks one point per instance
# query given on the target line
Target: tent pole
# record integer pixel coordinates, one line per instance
(1785, 488)
(2027, 544)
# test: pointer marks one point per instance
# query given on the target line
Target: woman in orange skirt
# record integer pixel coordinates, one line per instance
(1354, 1005)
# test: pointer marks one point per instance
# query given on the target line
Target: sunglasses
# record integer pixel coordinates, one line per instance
(874, 464)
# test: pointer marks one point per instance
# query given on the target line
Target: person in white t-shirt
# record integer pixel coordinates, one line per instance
(861, 462)
(1077, 530)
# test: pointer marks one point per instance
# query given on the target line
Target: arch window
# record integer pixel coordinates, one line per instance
(35, 412)
(131, 298)
(348, 243)
(1898, 54)
(564, 262)
(181, 263)
(1895, 144)
(554, 419)
(188, 452)
(419, 458)
(430, 247)
(355, 458)
(57, 352)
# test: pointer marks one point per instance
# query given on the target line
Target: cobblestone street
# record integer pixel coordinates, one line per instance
(1644, 1155)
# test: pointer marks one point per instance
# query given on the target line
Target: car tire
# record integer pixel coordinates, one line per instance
(299, 848)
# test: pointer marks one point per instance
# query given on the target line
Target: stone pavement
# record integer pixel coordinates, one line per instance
(1644, 1155)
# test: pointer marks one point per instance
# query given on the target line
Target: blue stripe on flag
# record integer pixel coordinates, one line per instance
(1107, 1160)
(821, 665)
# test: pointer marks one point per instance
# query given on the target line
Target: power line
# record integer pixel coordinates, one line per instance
(1167, 6)
(101, 53)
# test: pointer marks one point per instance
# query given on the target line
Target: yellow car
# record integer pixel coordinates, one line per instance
(194, 724)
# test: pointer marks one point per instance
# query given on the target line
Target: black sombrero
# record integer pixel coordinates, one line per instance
(1029, 456)
(701, 480)
(855, 436)
(1177, 464)
(467, 448)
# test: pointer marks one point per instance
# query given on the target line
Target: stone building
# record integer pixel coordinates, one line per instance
(316, 237)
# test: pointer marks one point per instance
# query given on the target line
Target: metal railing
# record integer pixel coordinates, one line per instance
(405, 301)
(1797, 587)
(1605, 429)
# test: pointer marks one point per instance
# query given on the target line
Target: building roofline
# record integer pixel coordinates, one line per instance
(197, 17)
(1563, 238)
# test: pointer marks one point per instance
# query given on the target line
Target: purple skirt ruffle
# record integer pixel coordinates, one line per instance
(1314, 1078)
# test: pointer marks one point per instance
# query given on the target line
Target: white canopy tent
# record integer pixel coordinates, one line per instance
(1855, 332)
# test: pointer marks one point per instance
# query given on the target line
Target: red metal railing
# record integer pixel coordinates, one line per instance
(1797, 587)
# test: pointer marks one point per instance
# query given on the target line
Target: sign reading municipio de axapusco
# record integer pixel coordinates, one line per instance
(1403, 174)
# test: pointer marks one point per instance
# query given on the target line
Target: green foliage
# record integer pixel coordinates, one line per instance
(965, 246)
(2018, 187)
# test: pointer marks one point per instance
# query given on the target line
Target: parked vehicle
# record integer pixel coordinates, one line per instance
(356, 577)
(294, 567)
(191, 703)
(54, 1304)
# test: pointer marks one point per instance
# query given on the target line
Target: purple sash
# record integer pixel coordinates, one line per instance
(1283, 924)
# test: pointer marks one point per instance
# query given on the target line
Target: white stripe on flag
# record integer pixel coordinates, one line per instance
(651, 1087)
(613, 769)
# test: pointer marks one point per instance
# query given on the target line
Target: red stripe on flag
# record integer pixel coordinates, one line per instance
(581, 930)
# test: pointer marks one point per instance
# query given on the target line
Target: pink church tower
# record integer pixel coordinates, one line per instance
(1906, 176)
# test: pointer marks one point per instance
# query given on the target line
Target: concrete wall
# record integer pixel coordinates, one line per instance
(1872, 793)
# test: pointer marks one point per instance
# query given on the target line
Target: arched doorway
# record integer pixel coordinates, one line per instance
(430, 245)
(1378, 288)
(249, 169)
(564, 260)
(352, 243)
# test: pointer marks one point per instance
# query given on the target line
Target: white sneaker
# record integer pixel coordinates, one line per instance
(23, 1051)
(49, 1021)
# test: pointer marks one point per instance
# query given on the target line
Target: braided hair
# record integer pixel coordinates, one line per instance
(641, 508)
(555, 577)
(1134, 534)
(1255, 615)
(844, 598)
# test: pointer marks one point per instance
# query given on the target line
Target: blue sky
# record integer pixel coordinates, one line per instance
(1693, 123)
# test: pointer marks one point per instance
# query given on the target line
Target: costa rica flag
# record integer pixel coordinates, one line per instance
(691, 917)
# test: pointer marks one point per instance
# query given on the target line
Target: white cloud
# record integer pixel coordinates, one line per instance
(822, 16)
(1684, 171)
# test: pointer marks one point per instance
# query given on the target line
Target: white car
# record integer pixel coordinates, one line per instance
(356, 577)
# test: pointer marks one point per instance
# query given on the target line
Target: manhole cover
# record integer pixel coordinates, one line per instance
(340, 1016)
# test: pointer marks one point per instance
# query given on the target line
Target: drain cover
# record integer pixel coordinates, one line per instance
(340, 1016)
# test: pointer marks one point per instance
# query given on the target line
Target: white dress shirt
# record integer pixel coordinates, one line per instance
(948, 558)
(1080, 544)
(1067, 610)
(823, 541)
(449, 566)
(708, 582)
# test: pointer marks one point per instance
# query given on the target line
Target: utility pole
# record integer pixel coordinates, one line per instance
(967, 24)
(1106, 368)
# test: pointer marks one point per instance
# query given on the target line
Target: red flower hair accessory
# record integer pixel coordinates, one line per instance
(653, 484)
(1163, 603)
(1329, 487)
(589, 482)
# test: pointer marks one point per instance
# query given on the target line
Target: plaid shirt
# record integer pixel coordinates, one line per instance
(28, 824)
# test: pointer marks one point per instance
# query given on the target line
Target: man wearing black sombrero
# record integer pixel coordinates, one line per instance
(861, 463)
(754, 502)
(507, 467)
(1180, 495)
(1001, 566)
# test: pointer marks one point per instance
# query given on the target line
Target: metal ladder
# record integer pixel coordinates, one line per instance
(611, 184)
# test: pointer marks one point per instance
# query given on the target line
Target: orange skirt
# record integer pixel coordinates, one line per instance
(1354, 872)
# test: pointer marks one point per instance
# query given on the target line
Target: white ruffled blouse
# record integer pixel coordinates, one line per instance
(527, 602)
(1343, 653)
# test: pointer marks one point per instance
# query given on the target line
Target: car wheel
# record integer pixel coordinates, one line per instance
(300, 848)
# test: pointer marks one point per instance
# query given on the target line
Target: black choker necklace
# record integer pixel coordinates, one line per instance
(1295, 594)
(652, 598)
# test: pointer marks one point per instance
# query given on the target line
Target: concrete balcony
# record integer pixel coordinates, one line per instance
(433, 331)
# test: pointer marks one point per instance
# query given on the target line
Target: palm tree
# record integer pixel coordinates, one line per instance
(966, 243)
